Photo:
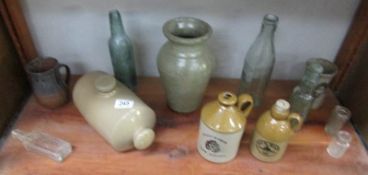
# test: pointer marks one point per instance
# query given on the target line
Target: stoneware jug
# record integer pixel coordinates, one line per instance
(49, 86)
(273, 131)
(222, 125)
(123, 119)
(185, 63)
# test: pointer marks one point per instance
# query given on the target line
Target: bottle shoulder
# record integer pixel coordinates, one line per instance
(222, 119)
(273, 129)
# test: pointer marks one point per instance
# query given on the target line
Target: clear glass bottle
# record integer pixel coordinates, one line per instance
(259, 61)
(121, 52)
(338, 118)
(44, 144)
(304, 93)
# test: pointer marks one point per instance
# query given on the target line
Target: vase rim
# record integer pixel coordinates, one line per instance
(187, 30)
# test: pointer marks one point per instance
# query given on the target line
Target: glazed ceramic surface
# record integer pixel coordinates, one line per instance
(114, 111)
(185, 63)
(273, 130)
(49, 86)
(222, 126)
(121, 52)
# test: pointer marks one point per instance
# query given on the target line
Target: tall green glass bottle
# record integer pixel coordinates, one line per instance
(259, 61)
(121, 52)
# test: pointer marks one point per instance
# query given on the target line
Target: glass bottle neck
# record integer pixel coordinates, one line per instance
(267, 31)
(307, 86)
(116, 24)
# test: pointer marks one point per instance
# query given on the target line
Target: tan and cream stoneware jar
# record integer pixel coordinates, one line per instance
(123, 119)
(273, 130)
(222, 125)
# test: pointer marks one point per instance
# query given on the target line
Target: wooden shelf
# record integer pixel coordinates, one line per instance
(91, 154)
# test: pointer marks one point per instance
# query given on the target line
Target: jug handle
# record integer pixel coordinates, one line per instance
(67, 72)
(295, 121)
(245, 104)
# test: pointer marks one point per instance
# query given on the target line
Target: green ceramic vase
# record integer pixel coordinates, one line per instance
(185, 63)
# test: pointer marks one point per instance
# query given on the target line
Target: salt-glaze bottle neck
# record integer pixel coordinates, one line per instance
(280, 110)
(116, 24)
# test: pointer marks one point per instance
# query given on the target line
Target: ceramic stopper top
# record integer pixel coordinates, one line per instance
(143, 138)
(280, 110)
(105, 83)
(227, 98)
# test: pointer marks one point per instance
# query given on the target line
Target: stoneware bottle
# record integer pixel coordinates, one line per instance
(185, 63)
(222, 125)
(114, 111)
(273, 130)
(121, 52)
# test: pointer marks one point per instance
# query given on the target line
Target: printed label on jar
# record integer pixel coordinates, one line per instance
(265, 149)
(123, 104)
(218, 147)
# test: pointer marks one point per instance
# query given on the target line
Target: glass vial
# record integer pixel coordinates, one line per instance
(44, 144)
(121, 52)
(339, 116)
(259, 61)
(304, 93)
(339, 144)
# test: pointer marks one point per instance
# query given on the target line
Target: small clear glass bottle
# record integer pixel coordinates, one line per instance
(44, 144)
(259, 61)
(338, 118)
(339, 144)
(303, 95)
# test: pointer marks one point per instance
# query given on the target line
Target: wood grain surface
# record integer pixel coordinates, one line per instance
(92, 155)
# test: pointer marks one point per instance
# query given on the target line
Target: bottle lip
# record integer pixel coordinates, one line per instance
(281, 105)
(342, 112)
(281, 109)
(329, 68)
(270, 19)
(187, 30)
(114, 13)
(227, 98)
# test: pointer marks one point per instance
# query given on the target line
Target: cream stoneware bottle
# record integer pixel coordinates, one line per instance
(222, 126)
(273, 131)
(123, 119)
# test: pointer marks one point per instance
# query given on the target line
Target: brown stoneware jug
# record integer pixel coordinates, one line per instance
(49, 86)
(222, 126)
(273, 130)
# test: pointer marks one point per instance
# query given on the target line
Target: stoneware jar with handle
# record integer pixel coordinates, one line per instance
(123, 119)
(185, 62)
(222, 125)
(49, 86)
(273, 131)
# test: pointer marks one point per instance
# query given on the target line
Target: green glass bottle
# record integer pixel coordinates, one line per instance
(121, 52)
(259, 61)
(303, 95)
